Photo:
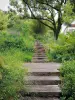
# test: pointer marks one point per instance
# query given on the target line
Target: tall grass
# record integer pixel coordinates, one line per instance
(14, 51)
(12, 73)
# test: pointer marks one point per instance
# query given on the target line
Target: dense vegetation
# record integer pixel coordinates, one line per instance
(11, 77)
(45, 12)
(16, 47)
(63, 49)
(68, 80)
(17, 38)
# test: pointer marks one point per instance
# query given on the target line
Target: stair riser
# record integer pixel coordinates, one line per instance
(44, 73)
(40, 61)
(40, 98)
(36, 58)
(43, 94)
(39, 47)
(43, 82)
(39, 52)
(41, 55)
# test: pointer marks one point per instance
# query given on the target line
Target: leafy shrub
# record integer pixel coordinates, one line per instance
(15, 49)
(3, 20)
(1, 67)
(63, 49)
(15, 41)
(11, 41)
(68, 80)
(38, 28)
(11, 80)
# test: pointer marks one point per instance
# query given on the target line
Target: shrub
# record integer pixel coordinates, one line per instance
(11, 81)
(3, 20)
(63, 49)
(1, 67)
(68, 80)
(9, 41)
(38, 28)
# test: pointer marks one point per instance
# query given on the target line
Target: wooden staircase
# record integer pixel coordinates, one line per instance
(39, 55)
(42, 82)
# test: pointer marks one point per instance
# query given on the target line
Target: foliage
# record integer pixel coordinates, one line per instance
(9, 40)
(13, 19)
(14, 41)
(15, 49)
(38, 28)
(63, 49)
(19, 25)
(3, 20)
(42, 11)
(12, 74)
(68, 80)
(73, 3)
(25, 27)
(68, 15)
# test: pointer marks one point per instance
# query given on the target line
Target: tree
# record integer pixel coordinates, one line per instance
(38, 28)
(13, 19)
(3, 20)
(48, 12)
(73, 3)
(68, 15)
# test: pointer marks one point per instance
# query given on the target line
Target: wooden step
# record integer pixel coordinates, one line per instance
(43, 69)
(40, 57)
(40, 98)
(39, 60)
(42, 90)
(39, 54)
(39, 46)
(44, 73)
(35, 56)
(39, 51)
(42, 80)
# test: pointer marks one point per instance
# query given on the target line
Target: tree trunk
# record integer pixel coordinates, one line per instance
(57, 31)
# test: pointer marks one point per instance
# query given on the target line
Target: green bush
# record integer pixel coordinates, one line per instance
(38, 29)
(68, 80)
(15, 49)
(8, 41)
(14, 41)
(12, 74)
(63, 49)
(3, 21)
(1, 67)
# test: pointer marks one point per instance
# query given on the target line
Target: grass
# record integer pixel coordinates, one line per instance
(12, 73)
(14, 51)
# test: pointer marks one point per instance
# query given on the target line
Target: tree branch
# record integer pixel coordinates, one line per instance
(47, 5)
(36, 17)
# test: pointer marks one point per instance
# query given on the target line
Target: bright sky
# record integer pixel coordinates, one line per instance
(4, 4)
